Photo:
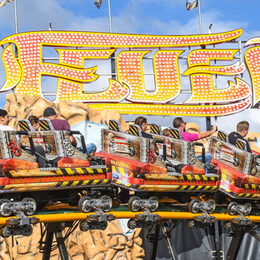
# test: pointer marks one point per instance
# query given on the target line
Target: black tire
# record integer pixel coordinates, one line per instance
(132, 224)
(132, 204)
(192, 209)
(6, 212)
(155, 206)
(81, 204)
(108, 202)
(231, 208)
(30, 211)
(211, 201)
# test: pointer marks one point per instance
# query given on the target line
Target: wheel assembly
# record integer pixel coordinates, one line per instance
(5, 232)
(84, 205)
(232, 208)
(91, 225)
(5, 209)
(247, 209)
(211, 206)
(154, 203)
(84, 226)
(194, 206)
(134, 204)
(29, 206)
(24, 230)
(106, 203)
(132, 224)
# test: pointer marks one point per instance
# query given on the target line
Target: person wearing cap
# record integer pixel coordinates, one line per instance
(62, 124)
(180, 124)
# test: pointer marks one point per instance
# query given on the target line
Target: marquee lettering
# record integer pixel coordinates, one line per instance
(252, 58)
(128, 93)
(201, 73)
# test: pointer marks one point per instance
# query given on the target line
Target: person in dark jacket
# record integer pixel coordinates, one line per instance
(242, 131)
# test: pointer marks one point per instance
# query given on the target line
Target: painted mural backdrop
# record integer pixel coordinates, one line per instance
(24, 64)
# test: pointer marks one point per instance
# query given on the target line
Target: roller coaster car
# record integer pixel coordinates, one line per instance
(161, 164)
(24, 185)
(240, 173)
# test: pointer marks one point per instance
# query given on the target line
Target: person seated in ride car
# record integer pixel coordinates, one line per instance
(4, 121)
(179, 123)
(62, 124)
(242, 131)
(166, 132)
(142, 122)
(35, 122)
(38, 141)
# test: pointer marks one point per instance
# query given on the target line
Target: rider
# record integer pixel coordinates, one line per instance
(142, 122)
(4, 120)
(242, 131)
(62, 124)
(179, 123)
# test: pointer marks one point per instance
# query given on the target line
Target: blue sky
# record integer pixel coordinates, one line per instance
(130, 16)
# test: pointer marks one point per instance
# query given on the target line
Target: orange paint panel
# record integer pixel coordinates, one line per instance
(189, 169)
(16, 164)
(66, 162)
(57, 179)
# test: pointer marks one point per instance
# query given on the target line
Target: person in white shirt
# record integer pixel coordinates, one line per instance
(4, 120)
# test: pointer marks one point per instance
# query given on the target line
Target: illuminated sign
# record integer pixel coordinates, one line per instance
(127, 93)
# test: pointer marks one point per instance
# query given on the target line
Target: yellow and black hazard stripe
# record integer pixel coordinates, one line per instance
(86, 170)
(190, 177)
(81, 183)
(240, 145)
(250, 186)
(44, 125)
(155, 129)
(113, 125)
(174, 133)
(245, 195)
(23, 126)
(133, 130)
(195, 187)
(222, 136)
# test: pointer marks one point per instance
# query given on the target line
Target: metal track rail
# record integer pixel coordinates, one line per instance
(72, 216)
